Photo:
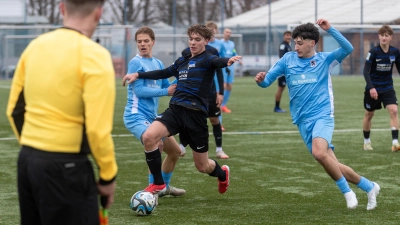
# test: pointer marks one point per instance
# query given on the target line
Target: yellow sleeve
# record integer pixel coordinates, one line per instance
(16, 102)
(99, 101)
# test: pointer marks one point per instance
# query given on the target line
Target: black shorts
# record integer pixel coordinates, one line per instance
(56, 188)
(213, 109)
(190, 124)
(282, 81)
(385, 98)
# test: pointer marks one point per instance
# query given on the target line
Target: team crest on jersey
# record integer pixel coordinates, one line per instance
(392, 58)
(313, 63)
(192, 64)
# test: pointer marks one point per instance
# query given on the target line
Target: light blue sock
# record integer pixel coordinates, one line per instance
(151, 178)
(220, 118)
(365, 184)
(343, 185)
(227, 95)
(166, 177)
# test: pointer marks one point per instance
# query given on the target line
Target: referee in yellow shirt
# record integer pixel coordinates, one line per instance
(61, 109)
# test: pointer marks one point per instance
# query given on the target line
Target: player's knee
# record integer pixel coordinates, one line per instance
(201, 167)
(148, 139)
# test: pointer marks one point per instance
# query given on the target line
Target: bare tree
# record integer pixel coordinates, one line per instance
(46, 8)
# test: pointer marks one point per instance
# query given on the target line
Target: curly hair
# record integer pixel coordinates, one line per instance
(202, 30)
(306, 31)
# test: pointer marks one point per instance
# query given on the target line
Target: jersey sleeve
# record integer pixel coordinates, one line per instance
(134, 66)
(142, 91)
(276, 71)
(99, 100)
(345, 46)
(367, 68)
(16, 102)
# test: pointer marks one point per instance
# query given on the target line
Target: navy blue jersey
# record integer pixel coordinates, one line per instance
(220, 76)
(378, 68)
(195, 76)
(283, 48)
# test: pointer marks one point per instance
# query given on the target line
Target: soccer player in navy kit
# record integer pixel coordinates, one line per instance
(188, 108)
(142, 104)
(214, 103)
(308, 78)
(283, 48)
(379, 89)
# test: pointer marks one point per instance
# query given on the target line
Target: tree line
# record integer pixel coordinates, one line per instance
(144, 12)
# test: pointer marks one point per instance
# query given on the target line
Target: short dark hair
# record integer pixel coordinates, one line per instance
(145, 30)
(306, 31)
(385, 29)
(83, 7)
(202, 30)
(287, 32)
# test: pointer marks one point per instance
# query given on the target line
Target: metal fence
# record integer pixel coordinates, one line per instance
(118, 39)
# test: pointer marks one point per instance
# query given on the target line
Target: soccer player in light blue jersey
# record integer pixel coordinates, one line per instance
(217, 44)
(229, 72)
(311, 103)
(142, 105)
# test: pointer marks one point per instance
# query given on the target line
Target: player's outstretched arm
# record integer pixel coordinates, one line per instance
(234, 59)
(129, 78)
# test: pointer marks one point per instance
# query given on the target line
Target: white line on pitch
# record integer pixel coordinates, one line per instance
(244, 133)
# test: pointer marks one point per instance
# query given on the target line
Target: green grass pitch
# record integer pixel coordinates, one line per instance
(274, 180)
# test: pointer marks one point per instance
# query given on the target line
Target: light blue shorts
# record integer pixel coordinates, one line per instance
(231, 77)
(137, 124)
(322, 128)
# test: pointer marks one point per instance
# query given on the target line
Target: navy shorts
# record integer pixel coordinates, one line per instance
(190, 124)
(385, 98)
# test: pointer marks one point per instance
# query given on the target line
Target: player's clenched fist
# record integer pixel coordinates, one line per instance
(260, 77)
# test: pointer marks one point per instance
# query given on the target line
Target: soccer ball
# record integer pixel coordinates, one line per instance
(143, 203)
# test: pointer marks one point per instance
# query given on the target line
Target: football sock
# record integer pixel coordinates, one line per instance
(153, 160)
(365, 184)
(227, 95)
(151, 178)
(217, 134)
(166, 177)
(277, 104)
(218, 172)
(395, 135)
(343, 185)
(366, 134)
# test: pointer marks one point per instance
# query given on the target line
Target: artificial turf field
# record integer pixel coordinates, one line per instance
(274, 180)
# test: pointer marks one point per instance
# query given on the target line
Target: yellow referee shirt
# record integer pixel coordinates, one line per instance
(63, 95)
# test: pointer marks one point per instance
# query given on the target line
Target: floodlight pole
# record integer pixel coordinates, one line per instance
(362, 37)
(222, 6)
(269, 61)
(174, 28)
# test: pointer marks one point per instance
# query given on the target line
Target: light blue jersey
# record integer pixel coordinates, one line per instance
(142, 105)
(217, 44)
(309, 81)
(230, 51)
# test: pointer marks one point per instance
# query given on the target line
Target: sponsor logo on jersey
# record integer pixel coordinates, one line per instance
(383, 67)
(304, 79)
(282, 47)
